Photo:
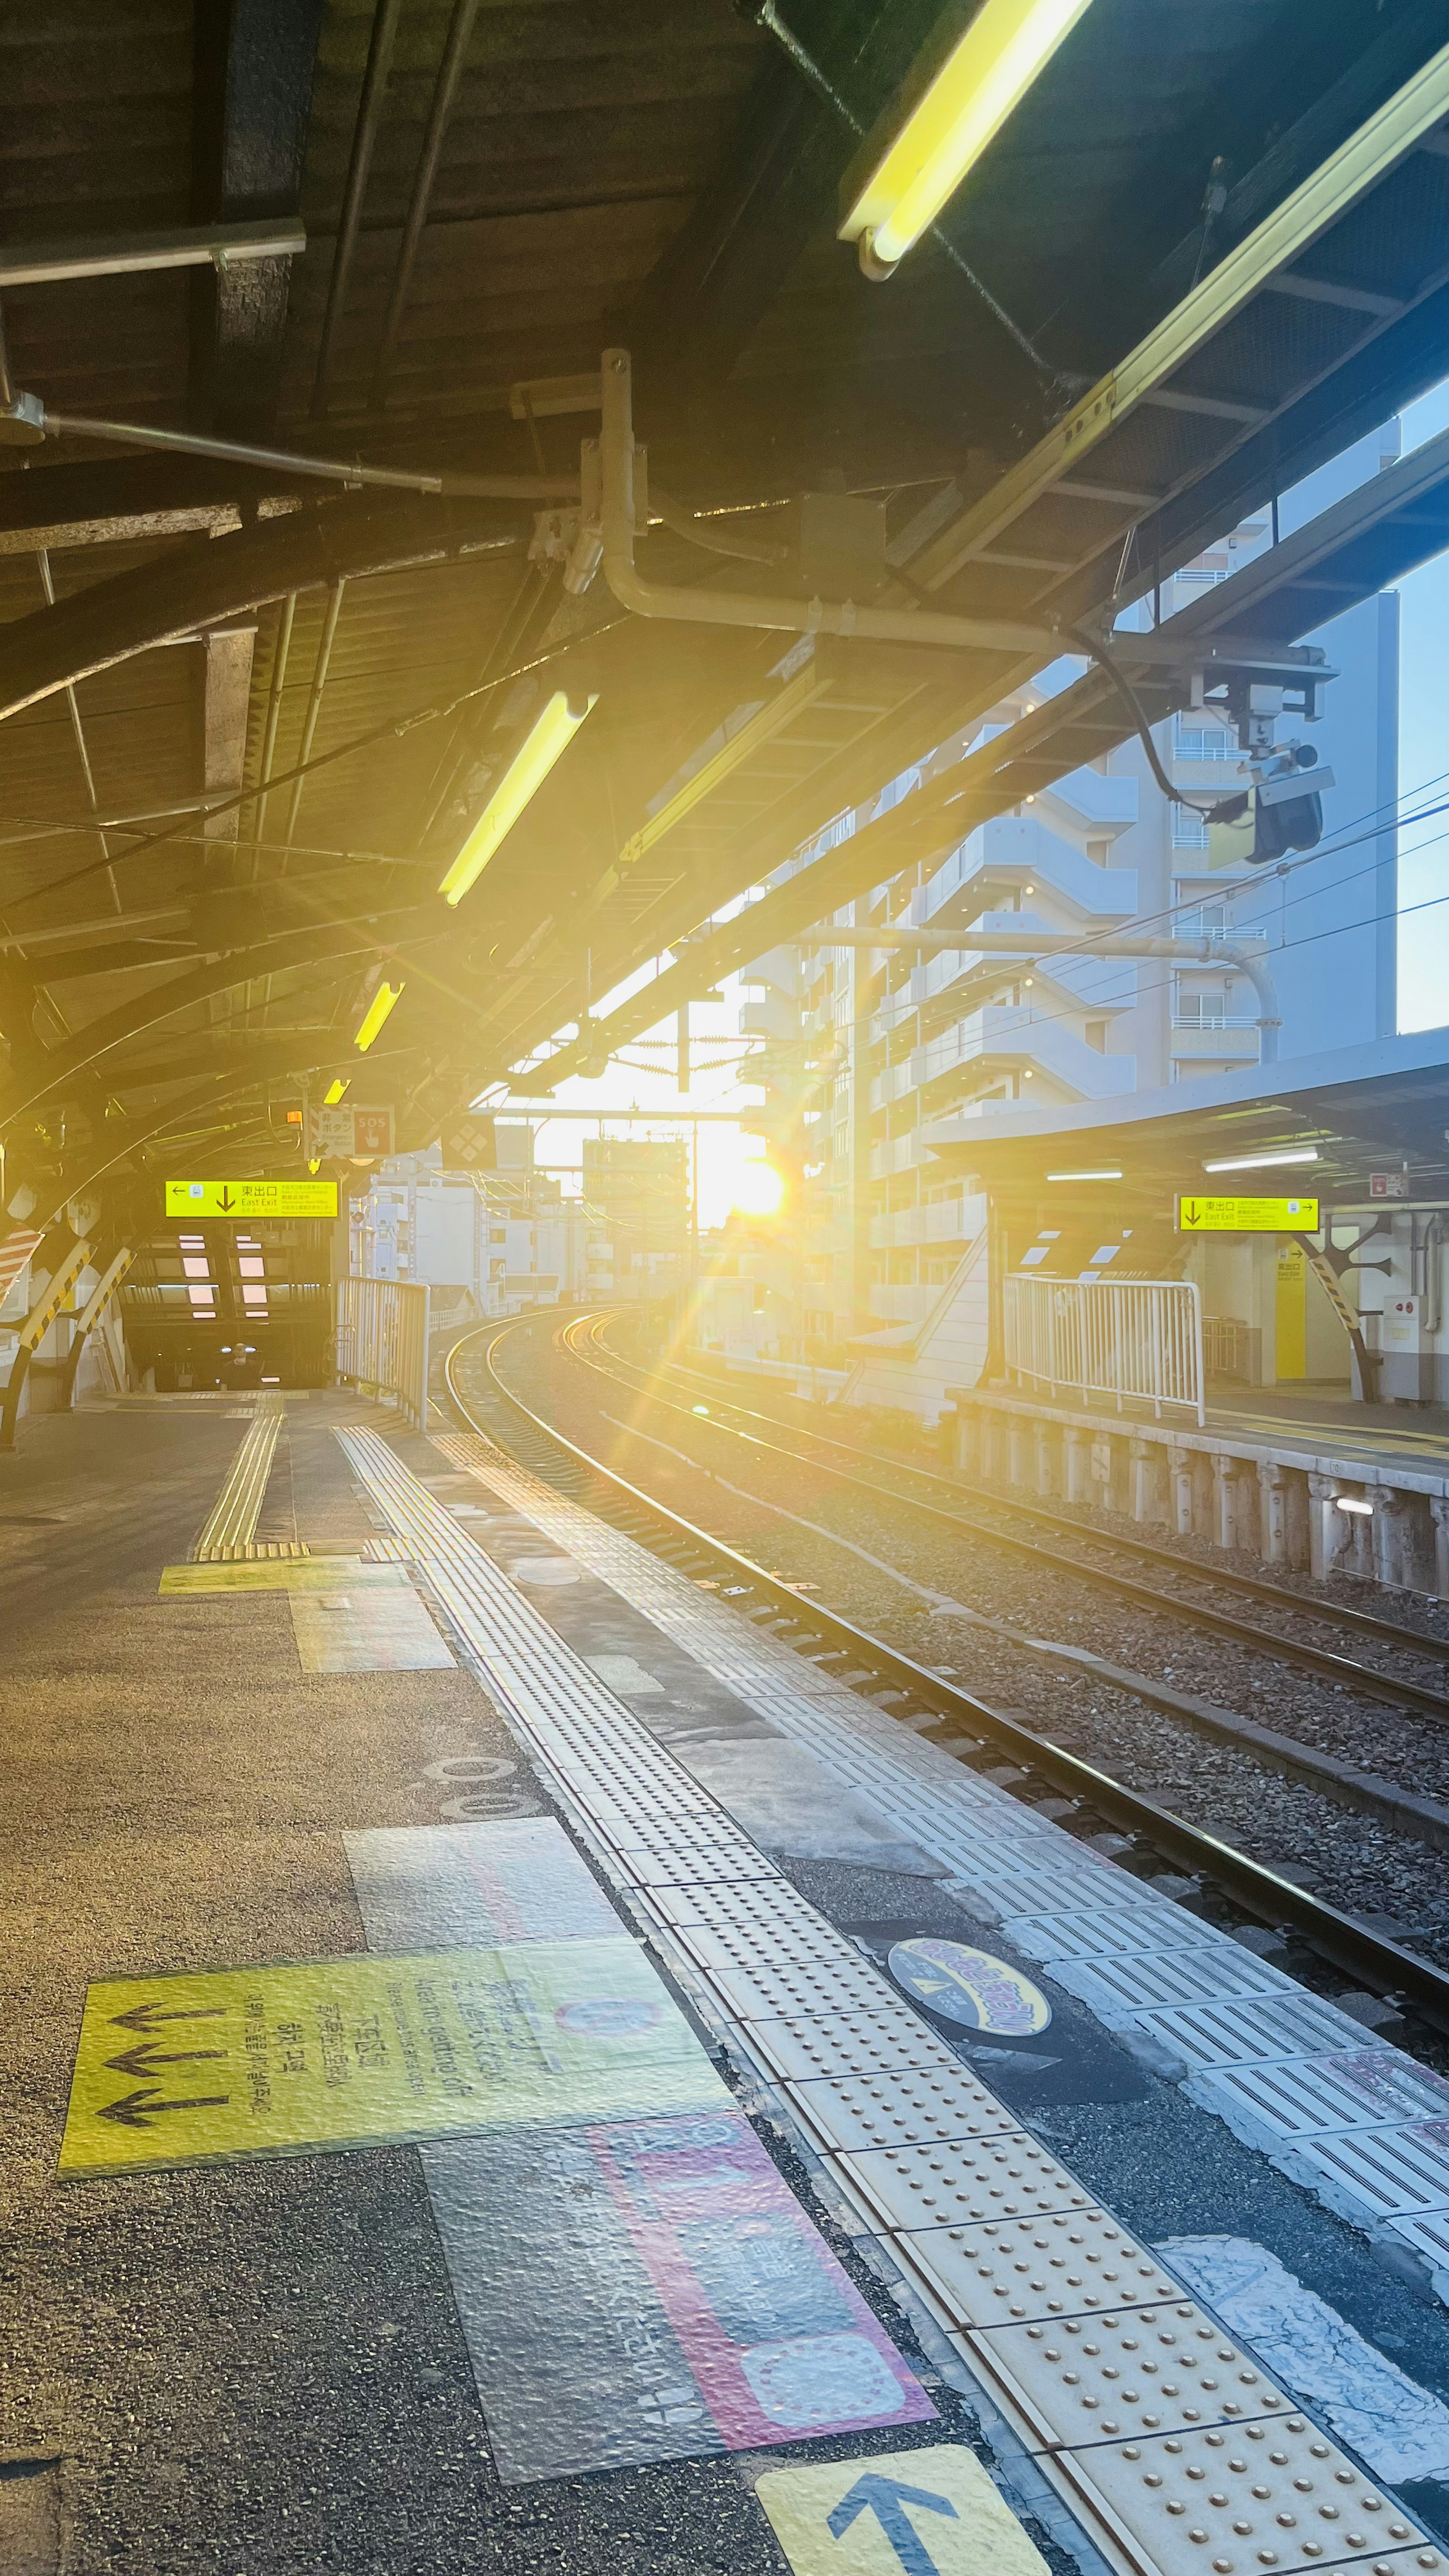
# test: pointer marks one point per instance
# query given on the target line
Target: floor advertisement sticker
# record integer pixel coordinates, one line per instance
(652, 2290)
(364, 2051)
(423, 1887)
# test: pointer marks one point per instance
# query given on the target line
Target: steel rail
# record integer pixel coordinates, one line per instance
(1363, 1678)
(1278, 1595)
(1347, 1945)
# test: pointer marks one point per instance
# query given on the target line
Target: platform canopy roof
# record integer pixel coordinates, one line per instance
(1208, 249)
(1382, 1108)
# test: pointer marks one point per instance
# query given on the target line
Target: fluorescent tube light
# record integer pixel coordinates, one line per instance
(521, 781)
(1265, 1162)
(1106, 1172)
(334, 1092)
(1351, 1503)
(962, 106)
(375, 1014)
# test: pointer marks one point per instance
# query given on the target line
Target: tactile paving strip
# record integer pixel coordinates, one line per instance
(850, 2044)
(1110, 2377)
(723, 1926)
(1321, 2097)
(1261, 2497)
(1396, 2171)
(773, 1986)
(958, 2186)
(1032, 2270)
(1119, 1989)
(1256, 2031)
(834, 2026)
(910, 2107)
(1120, 1932)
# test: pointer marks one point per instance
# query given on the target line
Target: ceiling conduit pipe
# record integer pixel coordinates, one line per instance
(736, 608)
(445, 90)
(349, 222)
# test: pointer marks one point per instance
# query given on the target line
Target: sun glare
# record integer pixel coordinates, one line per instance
(757, 1189)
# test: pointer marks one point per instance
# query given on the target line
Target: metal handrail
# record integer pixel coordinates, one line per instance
(1135, 1340)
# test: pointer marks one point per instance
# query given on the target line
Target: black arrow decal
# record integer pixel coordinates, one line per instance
(146, 2016)
(136, 2110)
(146, 2057)
(226, 1201)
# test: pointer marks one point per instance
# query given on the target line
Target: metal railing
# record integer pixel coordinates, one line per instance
(1136, 1340)
(382, 1341)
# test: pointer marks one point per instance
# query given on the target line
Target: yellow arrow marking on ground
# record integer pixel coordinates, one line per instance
(930, 2512)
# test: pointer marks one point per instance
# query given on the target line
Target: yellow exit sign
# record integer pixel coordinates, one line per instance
(244, 1201)
(1246, 1216)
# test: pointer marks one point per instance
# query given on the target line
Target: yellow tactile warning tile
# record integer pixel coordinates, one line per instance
(378, 1628)
(1030, 2270)
(1104, 2378)
(280, 1574)
(884, 2111)
(237, 1509)
(931, 2512)
(960, 2185)
(334, 2053)
(1240, 2501)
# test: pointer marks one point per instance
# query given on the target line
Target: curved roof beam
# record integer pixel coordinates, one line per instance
(216, 577)
(164, 1001)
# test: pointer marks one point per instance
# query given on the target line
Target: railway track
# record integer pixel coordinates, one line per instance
(727, 1416)
(487, 1403)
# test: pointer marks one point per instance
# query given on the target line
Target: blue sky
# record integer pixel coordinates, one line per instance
(1423, 755)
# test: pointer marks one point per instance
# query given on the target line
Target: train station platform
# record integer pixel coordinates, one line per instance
(1319, 1486)
(514, 2067)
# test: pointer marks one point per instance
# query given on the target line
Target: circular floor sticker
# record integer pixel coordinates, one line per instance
(970, 1986)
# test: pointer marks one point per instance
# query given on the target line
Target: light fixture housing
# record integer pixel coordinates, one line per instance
(960, 94)
(549, 738)
(1264, 1162)
(378, 1011)
(1101, 1172)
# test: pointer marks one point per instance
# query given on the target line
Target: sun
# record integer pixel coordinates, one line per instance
(757, 1189)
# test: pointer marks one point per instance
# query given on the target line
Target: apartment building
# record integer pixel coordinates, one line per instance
(916, 1051)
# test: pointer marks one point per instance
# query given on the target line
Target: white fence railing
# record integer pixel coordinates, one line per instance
(382, 1341)
(1137, 1340)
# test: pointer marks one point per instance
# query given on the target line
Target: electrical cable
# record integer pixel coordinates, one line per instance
(1097, 653)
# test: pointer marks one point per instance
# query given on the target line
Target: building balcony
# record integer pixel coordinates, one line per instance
(902, 1154)
(957, 1220)
(1199, 1042)
(1013, 854)
(903, 1305)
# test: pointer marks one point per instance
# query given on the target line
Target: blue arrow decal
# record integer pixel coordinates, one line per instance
(886, 2499)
